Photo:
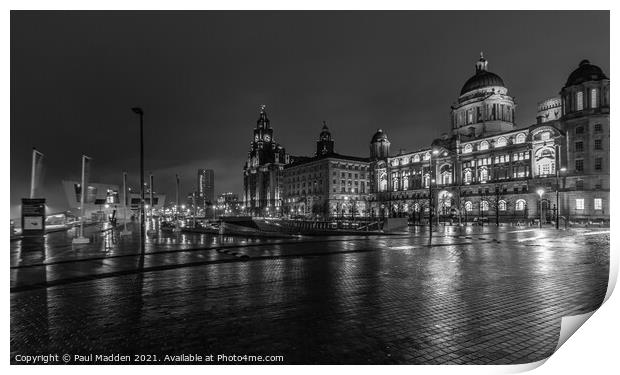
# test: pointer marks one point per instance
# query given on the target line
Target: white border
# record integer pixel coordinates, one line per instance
(594, 347)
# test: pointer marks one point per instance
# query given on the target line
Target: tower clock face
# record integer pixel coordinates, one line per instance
(267, 138)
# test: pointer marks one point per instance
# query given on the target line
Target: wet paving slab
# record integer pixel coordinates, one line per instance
(325, 300)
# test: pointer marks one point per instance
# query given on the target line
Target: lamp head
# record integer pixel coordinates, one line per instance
(540, 192)
(137, 110)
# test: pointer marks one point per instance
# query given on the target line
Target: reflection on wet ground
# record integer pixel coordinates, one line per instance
(476, 295)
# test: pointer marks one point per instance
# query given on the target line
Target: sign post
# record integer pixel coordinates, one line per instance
(33, 217)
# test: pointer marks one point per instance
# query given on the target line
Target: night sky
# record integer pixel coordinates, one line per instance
(201, 76)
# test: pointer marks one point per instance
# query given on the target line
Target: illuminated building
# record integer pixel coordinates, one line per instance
(262, 172)
(206, 186)
(490, 167)
(327, 184)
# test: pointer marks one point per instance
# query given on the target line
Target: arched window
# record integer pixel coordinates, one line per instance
(382, 183)
(594, 98)
(416, 207)
(427, 156)
(545, 161)
(484, 174)
(520, 205)
(427, 180)
(484, 206)
(520, 138)
(446, 175)
(467, 148)
(416, 158)
(580, 100)
(502, 205)
(468, 206)
(501, 142)
(406, 181)
(467, 176)
(484, 145)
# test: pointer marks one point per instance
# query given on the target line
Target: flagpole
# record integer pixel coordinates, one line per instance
(81, 239)
(125, 232)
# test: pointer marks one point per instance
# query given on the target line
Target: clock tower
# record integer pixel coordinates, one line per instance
(261, 173)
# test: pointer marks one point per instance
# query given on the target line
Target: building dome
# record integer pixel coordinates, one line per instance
(584, 73)
(379, 136)
(483, 78)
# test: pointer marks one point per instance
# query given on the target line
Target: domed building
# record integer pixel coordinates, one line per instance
(585, 120)
(586, 91)
(379, 145)
(487, 170)
(484, 106)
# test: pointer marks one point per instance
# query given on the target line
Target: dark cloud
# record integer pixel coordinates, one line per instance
(200, 77)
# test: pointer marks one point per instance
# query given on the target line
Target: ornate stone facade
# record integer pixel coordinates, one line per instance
(487, 169)
(262, 184)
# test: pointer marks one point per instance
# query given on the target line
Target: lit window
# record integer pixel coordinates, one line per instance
(520, 205)
(416, 158)
(594, 98)
(502, 205)
(501, 142)
(468, 206)
(484, 174)
(467, 177)
(520, 138)
(484, 206)
(598, 204)
(579, 204)
(468, 148)
(580, 101)
(484, 145)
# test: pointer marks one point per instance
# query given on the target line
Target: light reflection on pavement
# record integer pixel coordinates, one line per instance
(474, 295)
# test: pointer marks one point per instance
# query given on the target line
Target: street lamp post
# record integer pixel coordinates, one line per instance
(140, 112)
(430, 192)
(557, 196)
(540, 194)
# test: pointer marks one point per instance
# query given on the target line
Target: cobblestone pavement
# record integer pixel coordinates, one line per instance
(481, 296)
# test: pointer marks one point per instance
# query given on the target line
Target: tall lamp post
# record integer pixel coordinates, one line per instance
(540, 194)
(140, 112)
(557, 196)
(430, 191)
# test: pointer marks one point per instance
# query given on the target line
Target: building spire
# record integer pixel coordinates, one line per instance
(263, 121)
